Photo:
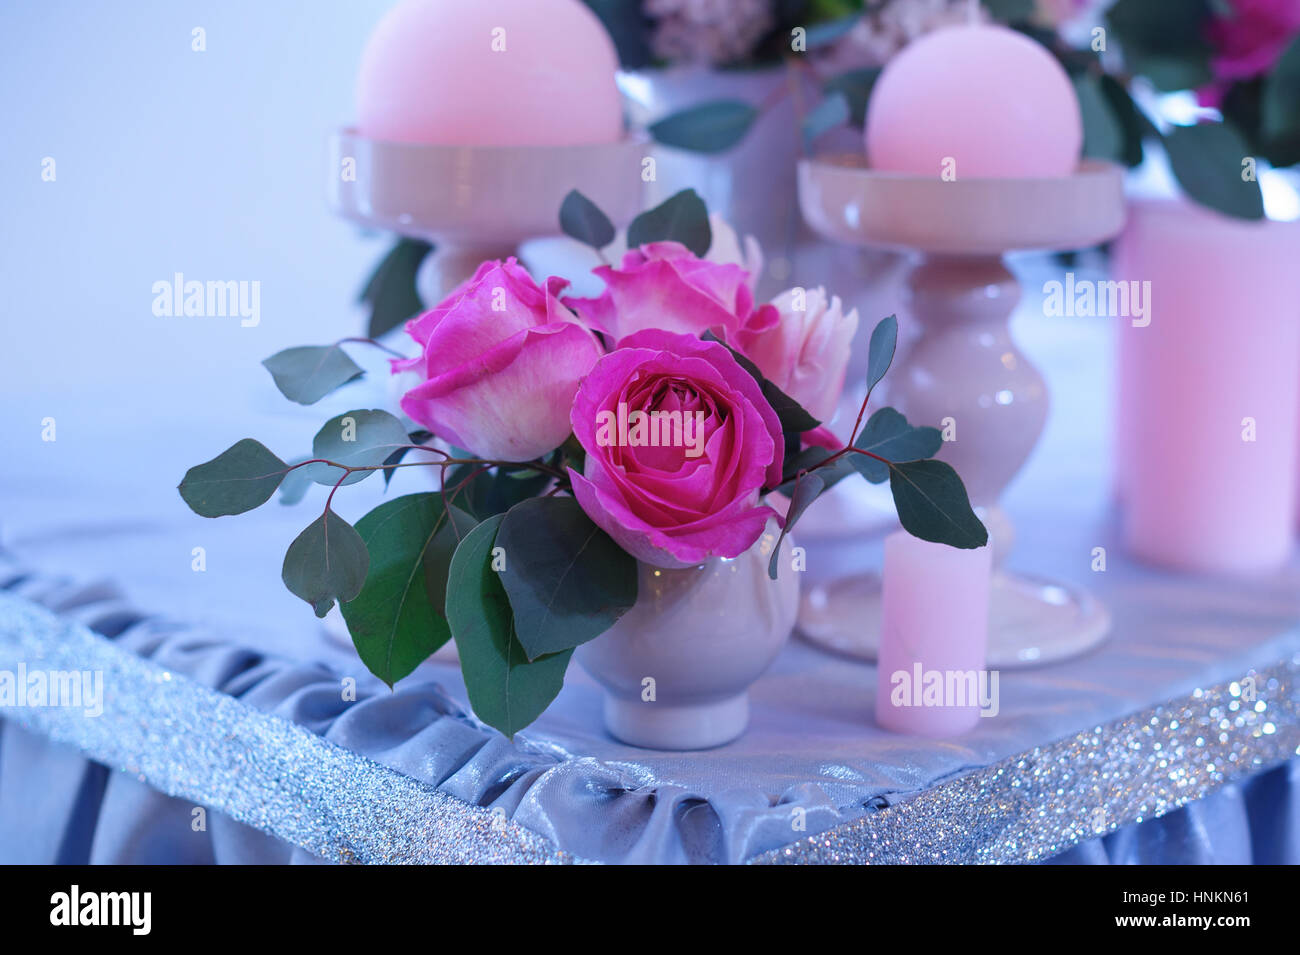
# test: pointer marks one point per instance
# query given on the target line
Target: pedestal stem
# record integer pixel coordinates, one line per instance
(966, 376)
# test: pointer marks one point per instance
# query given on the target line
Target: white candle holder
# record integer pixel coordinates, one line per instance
(965, 367)
(476, 202)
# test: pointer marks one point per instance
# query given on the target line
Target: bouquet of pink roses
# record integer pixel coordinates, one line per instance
(576, 437)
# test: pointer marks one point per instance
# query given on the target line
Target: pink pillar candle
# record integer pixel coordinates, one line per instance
(930, 674)
(974, 102)
(1209, 389)
(490, 73)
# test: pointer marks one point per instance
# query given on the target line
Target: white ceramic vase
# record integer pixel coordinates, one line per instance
(677, 667)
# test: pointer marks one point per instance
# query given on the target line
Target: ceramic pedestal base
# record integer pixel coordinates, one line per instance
(1032, 621)
(676, 668)
(698, 726)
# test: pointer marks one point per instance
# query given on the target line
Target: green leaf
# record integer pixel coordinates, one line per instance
(325, 563)
(707, 128)
(1103, 137)
(1009, 11)
(566, 578)
(295, 484)
(495, 491)
(932, 504)
(1134, 126)
(1280, 109)
(832, 111)
(581, 219)
(888, 434)
(856, 86)
(828, 31)
(630, 28)
(355, 439)
(809, 458)
(794, 418)
(390, 291)
(415, 437)
(397, 620)
(308, 373)
(1207, 161)
(880, 350)
(806, 489)
(681, 218)
(506, 690)
(240, 478)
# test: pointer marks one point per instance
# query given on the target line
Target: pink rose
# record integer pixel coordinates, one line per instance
(679, 440)
(664, 285)
(501, 363)
(1249, 41)
(806, 353)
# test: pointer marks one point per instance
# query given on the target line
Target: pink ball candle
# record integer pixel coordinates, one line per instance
(1209, 389)
(974, 102)
(933, 638)
(490, 73)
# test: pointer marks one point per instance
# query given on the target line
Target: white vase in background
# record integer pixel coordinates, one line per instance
(676, 668)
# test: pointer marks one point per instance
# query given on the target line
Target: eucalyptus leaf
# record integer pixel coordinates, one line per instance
(1134, 126)
(394, 459)
(325, 563)
(506, 690)
(880, 350)
(888, 434)
(397, 620)
(496, 491)
(806, 489)
(582, 219)
(355, 439)
(391, 290)
(1103, 136)
(567, 580)
(1207, 160)
(932, 504)
(308, 373)
(680, 218)
(832, 111)
(296, 482)
(828, 31)
(1280, 108)
(240, 478)
(813, 457)
(707, 128)
(856, 87)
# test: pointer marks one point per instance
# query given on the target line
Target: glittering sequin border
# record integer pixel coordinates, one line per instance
(194, 743)
(1036, 805)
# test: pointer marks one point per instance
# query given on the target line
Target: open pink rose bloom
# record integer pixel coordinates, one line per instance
(679, 438)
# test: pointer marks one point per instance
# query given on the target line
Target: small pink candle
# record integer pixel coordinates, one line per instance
(1209, 389)
(490, 73)
(930, 675)
(974, 101)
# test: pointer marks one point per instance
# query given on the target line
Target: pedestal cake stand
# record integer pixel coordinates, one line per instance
(964, 369)
(476, 202)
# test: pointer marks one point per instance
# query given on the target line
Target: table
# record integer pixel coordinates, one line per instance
(1098, 745)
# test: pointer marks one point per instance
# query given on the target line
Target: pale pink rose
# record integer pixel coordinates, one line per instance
(694, 492)
(501, 362)
(664, 285)
(806, 354)
(727, 248)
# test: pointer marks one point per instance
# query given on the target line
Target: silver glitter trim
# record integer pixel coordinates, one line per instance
(194, 743)
(1041, 803)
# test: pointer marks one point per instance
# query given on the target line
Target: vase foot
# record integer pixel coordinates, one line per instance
(656, 725)
(1032, 622)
